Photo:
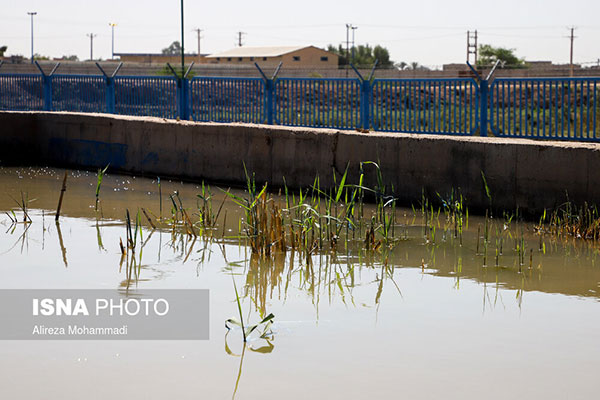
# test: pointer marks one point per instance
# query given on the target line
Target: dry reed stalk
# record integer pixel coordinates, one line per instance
(60, 199)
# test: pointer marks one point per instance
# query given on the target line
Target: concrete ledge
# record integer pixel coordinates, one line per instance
(529, 174)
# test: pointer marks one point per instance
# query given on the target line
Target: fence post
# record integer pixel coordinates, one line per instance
(483, 107)
(270, 92)
(47, 92)
(110, 87)
(110, 95)
(365, 104)
(365, 96)
(179, 98)
(47, 85)
(185, 99)
(183, 93)
(270, 88)
(484, 97)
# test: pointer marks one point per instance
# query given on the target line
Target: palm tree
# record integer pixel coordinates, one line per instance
(401, 65)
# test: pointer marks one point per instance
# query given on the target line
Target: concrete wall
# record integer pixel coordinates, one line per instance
(530, 174)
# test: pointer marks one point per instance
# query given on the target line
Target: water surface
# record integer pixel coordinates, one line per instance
(424, 319)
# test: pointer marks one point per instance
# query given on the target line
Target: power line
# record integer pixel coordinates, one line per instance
(522, 36)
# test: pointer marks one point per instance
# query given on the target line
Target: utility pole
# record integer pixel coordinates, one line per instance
(472, 46)
(32, 14)
(354, 28)
(91, 36)
(182, 48)
(240, 34)
(572, 38)
(198, 31)
(348, 26)
(112, 26)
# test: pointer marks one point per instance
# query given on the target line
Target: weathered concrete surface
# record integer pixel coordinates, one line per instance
(529, 174)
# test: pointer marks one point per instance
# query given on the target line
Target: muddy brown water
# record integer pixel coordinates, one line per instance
(424, 320)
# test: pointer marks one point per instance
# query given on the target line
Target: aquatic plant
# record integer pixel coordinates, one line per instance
(101, 173)
(265, 323)
(23, 204)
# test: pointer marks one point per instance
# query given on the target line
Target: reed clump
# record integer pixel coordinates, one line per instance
(571, 220)
(315, 219)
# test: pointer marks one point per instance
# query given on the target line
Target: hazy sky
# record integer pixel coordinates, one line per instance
(429, 32)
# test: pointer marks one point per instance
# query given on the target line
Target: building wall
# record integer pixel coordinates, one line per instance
(159, 58)
(245, 60)
(311, 56)
(307, 57)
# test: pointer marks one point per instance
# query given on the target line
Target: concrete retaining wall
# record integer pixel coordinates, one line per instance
(530, 174)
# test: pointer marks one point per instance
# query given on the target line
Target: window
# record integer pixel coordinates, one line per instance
(296, 58)
(218, 58)
(251, 58)
(228, 58)
(324, 58)
(240, 58)
(264, 58)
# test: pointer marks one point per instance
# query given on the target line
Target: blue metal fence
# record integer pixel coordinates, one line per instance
(547, 108)
(82, 93)
(146, 96)
(426, 106)
(21, 92)
(228, 100)
(323, 103)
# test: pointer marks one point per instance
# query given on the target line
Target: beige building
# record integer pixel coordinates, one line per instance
(158, 58)
(291, 56)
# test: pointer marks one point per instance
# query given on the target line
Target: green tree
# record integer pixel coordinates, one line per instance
(3, 50)
(383, 55)
(488, 55)
(362, 55)
(70, 58)
(401, 65)
(174, 49)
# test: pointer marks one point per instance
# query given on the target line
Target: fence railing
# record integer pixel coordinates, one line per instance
(323, 103)
(147, 96)
(21, 92)
(425, 106)
(227, 100)
(546, 108)
(83, 93)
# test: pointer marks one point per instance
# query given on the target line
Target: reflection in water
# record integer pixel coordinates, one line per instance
(499, 253)
(428, 278)
(239, 375)
(99, 236)
(265, 346)
(22, 239)
(61, 244)
(551, 263)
